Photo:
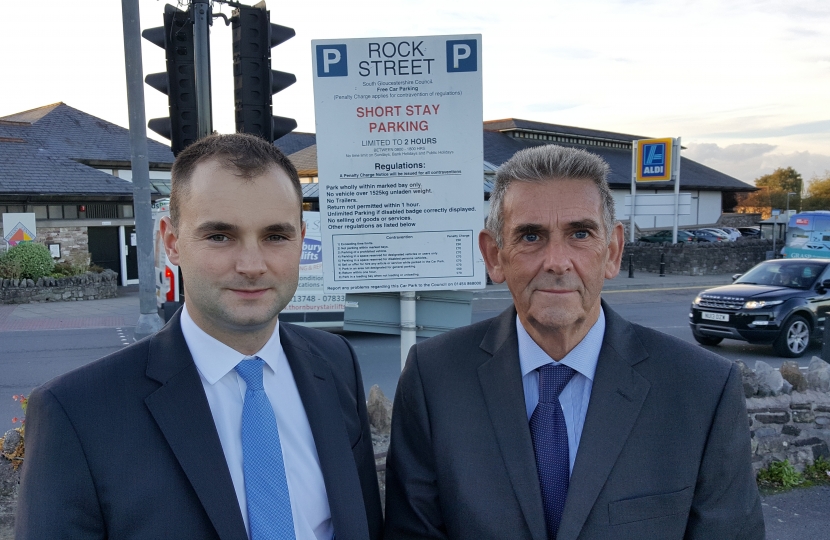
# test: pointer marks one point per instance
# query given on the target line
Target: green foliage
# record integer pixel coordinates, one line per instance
(781, 179)
(818, 193)
(819, 471)
(67, 269)
(29, 260)
(780, 475)
(774, 188)
(9, 269)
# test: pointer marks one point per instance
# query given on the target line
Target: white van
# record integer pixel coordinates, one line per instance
(169, 289)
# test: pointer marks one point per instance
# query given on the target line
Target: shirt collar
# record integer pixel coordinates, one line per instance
(583, 358)
(213, 358)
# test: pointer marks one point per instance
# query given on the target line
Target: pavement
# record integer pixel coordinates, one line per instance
(123, 311)
(105, 313)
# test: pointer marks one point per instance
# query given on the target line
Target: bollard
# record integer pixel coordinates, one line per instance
(825, 346)
(662, 265)
(631, 265)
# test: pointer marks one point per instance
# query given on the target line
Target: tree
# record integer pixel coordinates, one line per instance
(818, 193)
(774, 188)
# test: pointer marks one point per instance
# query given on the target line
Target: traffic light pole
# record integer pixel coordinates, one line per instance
(201, 59)
(148, 322)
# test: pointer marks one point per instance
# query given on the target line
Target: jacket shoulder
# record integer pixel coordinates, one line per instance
(122, 365)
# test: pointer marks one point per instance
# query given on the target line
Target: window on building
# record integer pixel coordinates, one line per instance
(55, 211)
(39, 211)
(125, 211)
(70, 211)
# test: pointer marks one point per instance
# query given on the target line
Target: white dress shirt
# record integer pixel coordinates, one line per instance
(225, 391)
(577, 393)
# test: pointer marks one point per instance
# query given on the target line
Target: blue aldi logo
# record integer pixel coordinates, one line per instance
(654, 160)
(654, 157)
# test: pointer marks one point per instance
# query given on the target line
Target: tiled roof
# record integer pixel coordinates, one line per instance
(509, 124)
(500, 146)
(66, 131)
(43, 151)
(295, 141)
(305, 161)
(26, 169)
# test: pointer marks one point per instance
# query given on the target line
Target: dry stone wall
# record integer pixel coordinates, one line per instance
(89, 286)
(697, 259)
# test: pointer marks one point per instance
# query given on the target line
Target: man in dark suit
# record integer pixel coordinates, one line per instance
(559, 419)
(225, 424)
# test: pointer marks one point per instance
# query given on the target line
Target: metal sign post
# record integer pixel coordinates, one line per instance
(676, 165)
(631, 221)
(656, 160)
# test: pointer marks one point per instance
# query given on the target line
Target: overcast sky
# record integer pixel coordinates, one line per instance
(745, 83)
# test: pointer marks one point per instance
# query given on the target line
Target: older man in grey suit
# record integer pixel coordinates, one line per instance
(558, 418)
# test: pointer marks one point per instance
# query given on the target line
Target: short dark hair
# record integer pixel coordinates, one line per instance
(548, 163)
(246, 155)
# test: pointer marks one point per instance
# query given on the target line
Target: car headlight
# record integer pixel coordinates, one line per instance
(697, 300)
(758, 304)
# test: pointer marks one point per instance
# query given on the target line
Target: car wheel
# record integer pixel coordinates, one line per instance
(706, 340)
(794, 338)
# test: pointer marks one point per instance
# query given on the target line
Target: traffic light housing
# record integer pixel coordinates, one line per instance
(254, 81)
(179, 82)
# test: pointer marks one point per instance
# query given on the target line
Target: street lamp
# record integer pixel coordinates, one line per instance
(787, 223)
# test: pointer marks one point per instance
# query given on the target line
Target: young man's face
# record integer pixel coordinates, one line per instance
(239, 243)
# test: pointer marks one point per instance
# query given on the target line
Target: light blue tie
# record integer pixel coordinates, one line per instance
(269, 506)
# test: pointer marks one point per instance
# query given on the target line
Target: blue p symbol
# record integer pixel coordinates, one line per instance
(462, 55)
(332, 61)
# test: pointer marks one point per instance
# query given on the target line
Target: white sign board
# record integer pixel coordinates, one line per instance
(658, 205)
(400, 162)
(310, 295)
(19, 228)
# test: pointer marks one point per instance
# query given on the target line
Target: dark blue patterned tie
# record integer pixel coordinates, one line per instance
(550, 443)
(266, 488)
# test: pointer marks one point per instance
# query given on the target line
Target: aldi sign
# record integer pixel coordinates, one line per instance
(654, 160)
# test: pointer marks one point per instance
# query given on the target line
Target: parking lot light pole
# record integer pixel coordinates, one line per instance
(787, 224)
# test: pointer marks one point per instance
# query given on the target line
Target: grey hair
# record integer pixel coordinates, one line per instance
(550, 163)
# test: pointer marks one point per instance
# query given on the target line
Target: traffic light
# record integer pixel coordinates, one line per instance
(179, 83)
(253, 79)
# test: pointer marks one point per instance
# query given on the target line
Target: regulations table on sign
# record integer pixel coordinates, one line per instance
(399, 153)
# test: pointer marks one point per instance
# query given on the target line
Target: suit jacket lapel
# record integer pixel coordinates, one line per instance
(315, 383)
(616, 399)
(181, 410)
(501, 382)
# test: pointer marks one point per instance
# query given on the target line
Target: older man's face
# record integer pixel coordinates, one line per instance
(555, 258)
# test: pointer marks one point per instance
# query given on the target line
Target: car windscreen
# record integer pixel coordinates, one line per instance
(801, 275)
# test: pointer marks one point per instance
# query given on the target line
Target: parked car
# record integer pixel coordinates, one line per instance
(722, 232)
(783, 302)
(666, 236)
(704, 235)
(733, 233)
(750, 232)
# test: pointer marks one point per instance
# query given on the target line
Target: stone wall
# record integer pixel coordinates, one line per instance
(740, 220)
(9, 484)
(74, 242)
(697, 259)
(89, 286)
(789, 412)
